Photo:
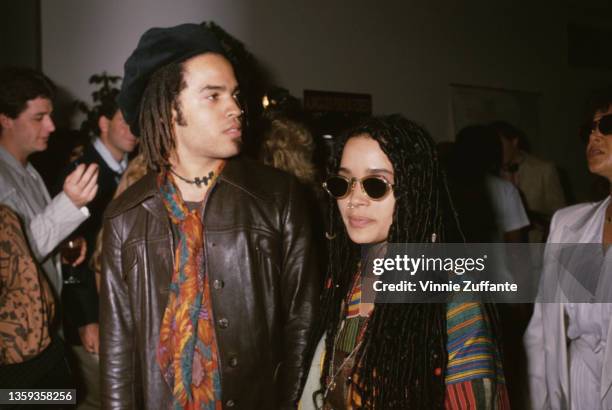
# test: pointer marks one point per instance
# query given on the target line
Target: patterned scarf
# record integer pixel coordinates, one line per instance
(187, 352)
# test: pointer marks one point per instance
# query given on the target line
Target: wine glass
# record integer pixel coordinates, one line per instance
(70, 251)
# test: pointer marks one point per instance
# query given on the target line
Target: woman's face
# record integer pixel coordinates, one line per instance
(599, 150)
(367, 221)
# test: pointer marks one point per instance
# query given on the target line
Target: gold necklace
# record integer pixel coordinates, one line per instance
(331, 381)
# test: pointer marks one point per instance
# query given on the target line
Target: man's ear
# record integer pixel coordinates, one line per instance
(6, 122)
(103, 123)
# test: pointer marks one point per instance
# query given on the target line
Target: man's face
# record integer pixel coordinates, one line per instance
(116, 133)
(29, 132)
(209, 126)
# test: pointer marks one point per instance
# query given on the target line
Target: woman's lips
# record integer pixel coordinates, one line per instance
(359, 222)
(593, 152)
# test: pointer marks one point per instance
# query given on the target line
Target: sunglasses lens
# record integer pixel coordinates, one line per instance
(337, 187)
(605, 125)
(376, 188)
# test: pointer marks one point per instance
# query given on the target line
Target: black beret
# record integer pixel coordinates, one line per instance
(159, 47)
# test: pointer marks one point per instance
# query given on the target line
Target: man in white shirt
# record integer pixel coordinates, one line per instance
(25, 125)
(536, 179)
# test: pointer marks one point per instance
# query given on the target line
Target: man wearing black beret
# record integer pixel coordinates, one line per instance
(210, 285)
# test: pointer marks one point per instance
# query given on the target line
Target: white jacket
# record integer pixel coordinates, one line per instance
(546, 336)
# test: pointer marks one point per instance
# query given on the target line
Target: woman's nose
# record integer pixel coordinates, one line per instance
(357, 196)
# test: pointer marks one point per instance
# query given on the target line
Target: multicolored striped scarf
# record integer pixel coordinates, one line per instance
(187, 353)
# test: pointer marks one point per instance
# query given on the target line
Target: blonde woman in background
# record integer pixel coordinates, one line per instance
(289, 146)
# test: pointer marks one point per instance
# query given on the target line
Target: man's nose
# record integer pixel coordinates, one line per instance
(49, 125)
(234, 109)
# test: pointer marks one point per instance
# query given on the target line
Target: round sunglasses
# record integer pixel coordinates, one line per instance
(375, 187)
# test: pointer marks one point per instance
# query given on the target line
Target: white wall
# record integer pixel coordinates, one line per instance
(80, 38)
(403, 53)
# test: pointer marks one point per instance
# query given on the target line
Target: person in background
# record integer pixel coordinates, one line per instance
(490, 208)
(31, 357)
(536, 179)
(289, 146)
(25, 125)
(136, 169)
(109, 151)
(568, 355)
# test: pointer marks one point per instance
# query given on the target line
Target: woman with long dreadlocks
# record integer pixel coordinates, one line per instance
(388, 187)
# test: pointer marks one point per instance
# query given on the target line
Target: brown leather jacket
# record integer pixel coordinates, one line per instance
(264, 281)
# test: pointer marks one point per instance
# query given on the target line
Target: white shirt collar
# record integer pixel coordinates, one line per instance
(106, 155)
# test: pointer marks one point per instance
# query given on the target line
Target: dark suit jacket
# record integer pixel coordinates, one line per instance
(80, 301)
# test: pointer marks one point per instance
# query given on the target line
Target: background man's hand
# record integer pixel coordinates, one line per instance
(90, 337)
(81, 185)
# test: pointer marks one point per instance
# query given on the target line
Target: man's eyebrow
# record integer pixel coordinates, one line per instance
(213, 88)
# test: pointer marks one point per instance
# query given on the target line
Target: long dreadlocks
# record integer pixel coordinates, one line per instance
(159, 99)
(403, 344)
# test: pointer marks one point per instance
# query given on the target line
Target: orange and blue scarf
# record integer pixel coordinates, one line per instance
(187, 353)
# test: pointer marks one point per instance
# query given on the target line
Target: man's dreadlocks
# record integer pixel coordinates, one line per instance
(159, 99)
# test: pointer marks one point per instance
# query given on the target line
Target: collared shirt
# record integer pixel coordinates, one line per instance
(118, 167)
(47, 221)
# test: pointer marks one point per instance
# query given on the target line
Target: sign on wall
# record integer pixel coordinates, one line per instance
(480, 105)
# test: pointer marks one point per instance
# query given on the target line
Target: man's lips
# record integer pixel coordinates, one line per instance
(235, 131)
(359, 221)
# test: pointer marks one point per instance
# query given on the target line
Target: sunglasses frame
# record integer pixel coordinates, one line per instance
(595, 125)
(351, 183)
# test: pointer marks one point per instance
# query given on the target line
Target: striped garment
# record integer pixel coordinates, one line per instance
(474, 374)
(353, 304)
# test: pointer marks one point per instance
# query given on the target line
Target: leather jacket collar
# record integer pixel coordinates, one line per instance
(146, 189)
